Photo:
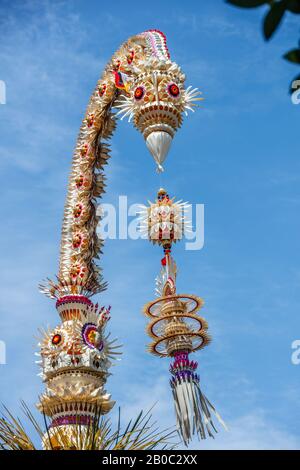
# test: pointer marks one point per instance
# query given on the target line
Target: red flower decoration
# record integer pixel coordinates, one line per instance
(102, 89)
(77, 211)
(77, 240)
(56, 339)
(90, 120)
(130, 57)
(139, 92)
(173, 90)
(79, 181)
(84, 150)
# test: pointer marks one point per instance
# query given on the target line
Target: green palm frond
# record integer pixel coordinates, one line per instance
(139, 434)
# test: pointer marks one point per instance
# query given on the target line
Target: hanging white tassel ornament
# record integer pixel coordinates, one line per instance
(194, 412)
(175, 326)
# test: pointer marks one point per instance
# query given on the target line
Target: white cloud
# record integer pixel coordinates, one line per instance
(253, 431)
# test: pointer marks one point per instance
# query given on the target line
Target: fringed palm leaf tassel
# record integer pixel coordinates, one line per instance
(194, 412)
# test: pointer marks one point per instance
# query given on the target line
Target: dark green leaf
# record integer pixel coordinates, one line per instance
(247, 3)
(293, 6)
(293, 56)
(273, 18)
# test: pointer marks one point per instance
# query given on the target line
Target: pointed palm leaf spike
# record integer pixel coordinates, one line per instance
(191, 95)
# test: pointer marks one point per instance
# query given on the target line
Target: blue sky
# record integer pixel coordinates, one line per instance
(238, 155)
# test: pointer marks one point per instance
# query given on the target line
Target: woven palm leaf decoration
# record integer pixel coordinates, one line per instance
(142, 83)
(175, 327)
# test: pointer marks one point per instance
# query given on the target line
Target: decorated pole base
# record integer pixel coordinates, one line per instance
(73, 432)
(76, 357)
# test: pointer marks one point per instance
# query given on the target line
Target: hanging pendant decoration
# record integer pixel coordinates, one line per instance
(176, 328)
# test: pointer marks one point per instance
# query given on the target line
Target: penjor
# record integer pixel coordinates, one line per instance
(140, 82)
